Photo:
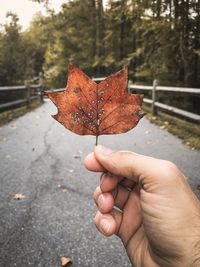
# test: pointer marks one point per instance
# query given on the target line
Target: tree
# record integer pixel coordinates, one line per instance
(11, 52)
(156, 39)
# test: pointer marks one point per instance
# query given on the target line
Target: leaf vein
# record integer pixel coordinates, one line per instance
(112, 111)
(88, 100)
(112, 125)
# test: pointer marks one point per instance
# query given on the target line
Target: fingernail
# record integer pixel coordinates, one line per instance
(101, 200)
(103, 150)
(102, 178)
(105, 226)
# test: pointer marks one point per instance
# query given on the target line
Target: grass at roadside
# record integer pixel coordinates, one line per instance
(189, 132)
(9, 115)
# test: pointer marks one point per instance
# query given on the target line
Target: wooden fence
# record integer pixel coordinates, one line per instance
(32, 92)
(35, 91)
(155, 105)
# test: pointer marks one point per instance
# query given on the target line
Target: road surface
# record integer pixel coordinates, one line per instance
(44, 162)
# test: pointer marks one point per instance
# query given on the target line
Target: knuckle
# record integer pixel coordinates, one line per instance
(170, 166)
(170, 171)
(121, 162)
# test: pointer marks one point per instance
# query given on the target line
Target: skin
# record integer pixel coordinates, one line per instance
(149, 204)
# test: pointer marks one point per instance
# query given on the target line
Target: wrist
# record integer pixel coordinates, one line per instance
(196, 257)
(195, 239)
(196, 250)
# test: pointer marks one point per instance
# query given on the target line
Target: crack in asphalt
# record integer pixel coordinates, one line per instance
(48, 146)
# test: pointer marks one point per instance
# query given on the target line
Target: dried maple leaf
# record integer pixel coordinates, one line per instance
(19, 196)
(63, 188)
(8, 156)
(88, 108)
(65, 261)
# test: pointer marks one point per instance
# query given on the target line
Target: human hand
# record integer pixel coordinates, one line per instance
(157, 215)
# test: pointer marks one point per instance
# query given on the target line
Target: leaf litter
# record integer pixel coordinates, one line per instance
(63, 188)
(65, 261)
(19, 196)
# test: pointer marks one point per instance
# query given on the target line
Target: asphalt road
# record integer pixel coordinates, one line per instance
(44, 162)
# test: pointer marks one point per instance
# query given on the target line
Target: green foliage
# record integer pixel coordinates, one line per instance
(11, 49)
(21, 53)
(155, 39)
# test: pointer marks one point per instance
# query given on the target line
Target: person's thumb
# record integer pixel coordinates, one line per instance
(141, 169)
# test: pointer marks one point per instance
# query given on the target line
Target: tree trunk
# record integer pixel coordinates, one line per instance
(176, 9)
(197, 46)
(122, 28)
(100, 34)
(94, 34)
(135, 19)
(170, 9)
(158, 8)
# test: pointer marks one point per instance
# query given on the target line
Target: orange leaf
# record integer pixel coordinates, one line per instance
(88, 108)
(65, 261)
(19, 196)
(63, 188)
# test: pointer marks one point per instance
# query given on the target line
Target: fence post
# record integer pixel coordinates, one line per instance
(41, 87)
(154, 110)
(28, 93)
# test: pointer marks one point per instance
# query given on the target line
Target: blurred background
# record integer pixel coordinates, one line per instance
(155, 39)
(46, 206)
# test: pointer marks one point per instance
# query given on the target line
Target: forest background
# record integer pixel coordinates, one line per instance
(155, 39)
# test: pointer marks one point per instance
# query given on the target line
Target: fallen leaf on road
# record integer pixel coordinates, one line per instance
(76, 156)
(7, 156)
(88, 108)
(13, 126)
(148, 142)
(163, 127)
(198, 186)
(19, 196)
(65, 261)
(63, 188)
(3, 139)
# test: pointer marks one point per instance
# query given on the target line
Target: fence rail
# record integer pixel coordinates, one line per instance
(155, 105)
(32, 92)
(155, 89)
(12, 88)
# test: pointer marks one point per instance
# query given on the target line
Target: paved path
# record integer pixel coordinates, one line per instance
(39, 158)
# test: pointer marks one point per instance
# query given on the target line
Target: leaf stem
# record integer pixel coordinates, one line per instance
(97, 123)
(96, 140)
